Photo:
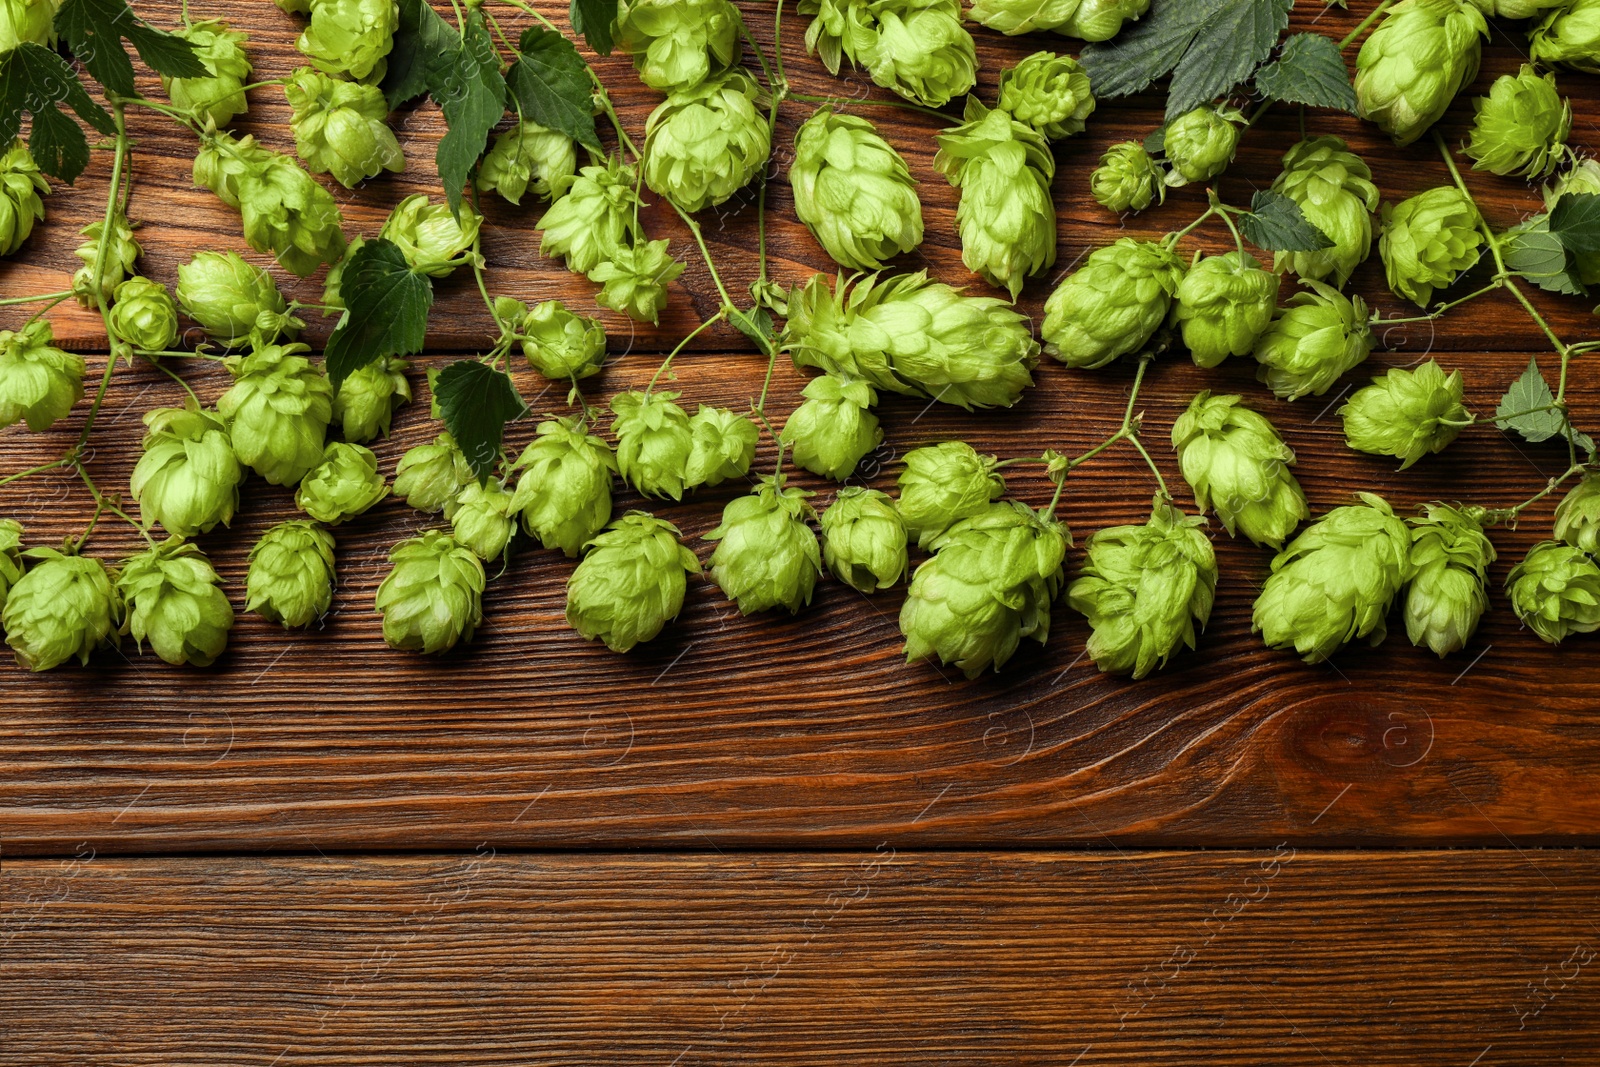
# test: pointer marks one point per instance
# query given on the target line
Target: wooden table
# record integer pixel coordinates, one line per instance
(768, 839)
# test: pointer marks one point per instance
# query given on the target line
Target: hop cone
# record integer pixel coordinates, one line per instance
(1415, 62)
(277, 412)
(766, 555)
(1578, 515)
(1144, 589)
(853, 191)
(175, 601)
(428, 233)
(1450, 557)
(1521, 126)
(285, 211)
(706, 143)
(564, 494)
(1428, 240)
(677, 44)
(24, 21)
(1092, 20)
(144, 314)
(989, 584)
(1406, 414)
(215, 99)
(593, 218)
(1316, 337)
(339, 128)
(39, 382)
(1568, 35)
(1199, 144)
(121, 251)
(528, 157)
(653, 442)
(634, 280)
(1335, 582)
(864, 539)
(1127, 179)
(188, 478)
(1007, 220)
(64, 606)
(345, 484)
(484, 517)
(10, 557)
(1048, 92)
(839, 29)
(350, 37)
(1238, 466)
(631, 582)
(432, 596)
(943, 484)
(1517, 9)
(560, 344)
(921, 50)
(232, 299)
(722, 444)
(1335, 192)
(834, 428)
(290, 580)
(431, 476)
(1224, 305)
(1555, 591)
(22, 189)
(1112, 305)
(364, 405)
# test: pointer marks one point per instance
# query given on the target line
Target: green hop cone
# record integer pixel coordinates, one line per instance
(767, 555)
(277, 411)
(430, 477)
(1517, 9)
(864, 539)
(1414, 63)
(345, 484)
(704, 144)
(350, 37)
(677, 44)
(27, 21)
(174, 600)
(1450, 557)
(290, 579)
(339, 127)
(432, 596)
(1006, 218)
(485, 517)
(1092, 20)
(22, 192)
(839, 30)
(64, 606)
(943, 484)
(564, 493)
(294, 7)
(653, 442)
(1048, 92)
(630, 583)
(853, 191)
(1521, 126)
(990, 583)
(429, 235)
(1568, 35)
(10, 557)
(920, 50)
(1238, 467)
(1145, 589)
(144, 315)
(834, 428)
(230, 298)
(1333, 187)
(1224, 305)
(333, 280)
(188, 478)
(1406, 414)
(1318, 335)
(1113, 304)
(218, 97)
(1427, 241)
(525, 158)
(285, 211)
(1555, 591)
(1127, 179)
(1578, 515)
(121, 252)
(1199, 144)
(1335, 582)
(595, 216)
(634, 280)
(39, 382)
(560, 344)
(723, 443)
(364, 405)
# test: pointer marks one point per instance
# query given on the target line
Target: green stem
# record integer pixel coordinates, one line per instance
(170, 373)
(1171, 240)
(477, 272)
(174, 354)
(40, 469)
(680, 347)
(104, 503)
(112, 340)
(1055, 498)
(41, 297)
(852, 102)
(1364, 23)
(1499, 515)
(1238, 241)
(1133, 439)
(1498, 283)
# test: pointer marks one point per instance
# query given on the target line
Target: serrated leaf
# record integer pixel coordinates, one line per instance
(1276, 224)
(1144, 51)
(94, 30)
(423, 44)
(1528, 392)
(386, 309)
(550, 82)
(472, 93)
(593, 19)
(1575, 221)
(476, 401)
(1155, 142)
(756, 324)
(1538, 255)
(34, 79)
(1309, 70)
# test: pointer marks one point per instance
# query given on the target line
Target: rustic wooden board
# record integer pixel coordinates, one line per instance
(770, 731)
(1279, 956)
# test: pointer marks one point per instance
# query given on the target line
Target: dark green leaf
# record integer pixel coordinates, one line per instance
(423, 44)
(593, 19)
(1155, 142)
(1575, 220)
(551, 84)
(476, 401)
(1311, 71)
(94, 30)
(1528, 392)
(1144, 51)
(34, 79)
(756, 324)
(1275, 223)
(1538, 255)
(386, 309)
(472, 93)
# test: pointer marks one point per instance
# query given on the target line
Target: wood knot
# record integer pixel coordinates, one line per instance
(1361, 734)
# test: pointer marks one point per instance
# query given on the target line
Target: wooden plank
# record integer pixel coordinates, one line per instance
(1414, 959)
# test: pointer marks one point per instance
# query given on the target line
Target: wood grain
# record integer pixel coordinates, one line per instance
(1283, 956)
(769, 731)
